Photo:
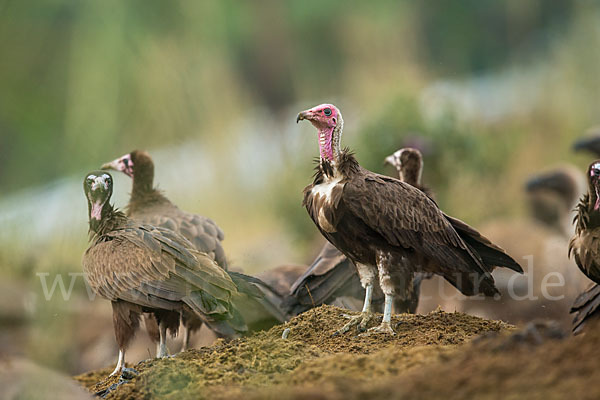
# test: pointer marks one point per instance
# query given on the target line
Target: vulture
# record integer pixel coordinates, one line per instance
(388, 227)
(590, 142)
(143, 268)
(149, 205)
(551, 281)
(552, 196)
(332, 278)
(585, 249)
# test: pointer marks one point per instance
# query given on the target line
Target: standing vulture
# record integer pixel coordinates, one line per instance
(385, 225)
(148, 269)
(585, 248)
(149, 205)
(332, 277)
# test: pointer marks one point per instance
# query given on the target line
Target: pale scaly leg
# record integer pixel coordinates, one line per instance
(162, 345)
(388, 288)
(120, 363)
(367, 275)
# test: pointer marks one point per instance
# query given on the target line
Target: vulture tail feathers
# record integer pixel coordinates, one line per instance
(492, 255)
(586, 308)
(256, 289)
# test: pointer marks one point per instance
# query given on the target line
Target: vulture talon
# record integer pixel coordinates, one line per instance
(385, 328)
(128, 374)
(359, 321)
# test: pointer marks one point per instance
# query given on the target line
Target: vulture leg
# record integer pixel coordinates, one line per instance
(367, 277)
(186, 339)
(120, 363)
(162, 345)
(384, 261)
(126, 319)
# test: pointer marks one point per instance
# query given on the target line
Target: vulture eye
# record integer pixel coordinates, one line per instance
(327, 111)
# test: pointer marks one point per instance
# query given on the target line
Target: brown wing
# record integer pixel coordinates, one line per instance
(327, 260)
(202, 232)
(157, 268)
(330, 277)
(405, 217)
(586, 307)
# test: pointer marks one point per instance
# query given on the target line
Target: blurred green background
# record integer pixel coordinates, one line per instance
(494, 91)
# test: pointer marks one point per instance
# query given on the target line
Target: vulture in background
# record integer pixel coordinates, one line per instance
(551, 281)
(148, 269)
(590, 142)
(585, 249)
(332, 278)
(149, 205)
(388, 227)
(552, 196)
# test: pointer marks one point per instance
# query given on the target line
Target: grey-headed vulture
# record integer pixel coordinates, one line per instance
(385, 225)
(147, 269)
(585, 248)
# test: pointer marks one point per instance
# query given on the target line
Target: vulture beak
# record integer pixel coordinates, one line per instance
(389, 160)
(308, 114)
(114, 165)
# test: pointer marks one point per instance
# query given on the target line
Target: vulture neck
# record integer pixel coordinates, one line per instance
(142, 192)
(587, 216)
(111, 219)
(411, 174)
(329, 147)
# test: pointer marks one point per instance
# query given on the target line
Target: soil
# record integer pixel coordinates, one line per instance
(431, 356)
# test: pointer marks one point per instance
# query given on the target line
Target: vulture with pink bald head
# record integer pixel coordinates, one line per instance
(389, 228)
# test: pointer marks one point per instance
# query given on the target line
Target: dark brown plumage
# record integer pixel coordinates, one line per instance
(143, 268)
(332, 276)
(585, 247)
(149, 205)
(385, 225)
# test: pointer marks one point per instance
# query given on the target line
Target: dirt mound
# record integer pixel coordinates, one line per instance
(310, 354)
(513, 366)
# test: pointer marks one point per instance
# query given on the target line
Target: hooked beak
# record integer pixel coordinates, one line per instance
(114, 165)
(308, 115)
(389, 160)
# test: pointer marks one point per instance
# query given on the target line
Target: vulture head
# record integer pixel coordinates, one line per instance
(594, 183)
(590, 143)
(409, 164)
(553, 194)
(329, 123)
(137, 165)
(98, 188)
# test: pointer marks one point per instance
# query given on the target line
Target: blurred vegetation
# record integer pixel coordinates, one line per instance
(84, 82)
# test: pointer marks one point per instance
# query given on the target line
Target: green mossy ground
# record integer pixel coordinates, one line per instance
(428, 358)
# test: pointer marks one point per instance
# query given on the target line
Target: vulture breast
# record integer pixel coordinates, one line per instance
(326, 196)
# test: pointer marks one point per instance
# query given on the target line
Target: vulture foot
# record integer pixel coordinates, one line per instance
(384, 328)
(359, 321)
